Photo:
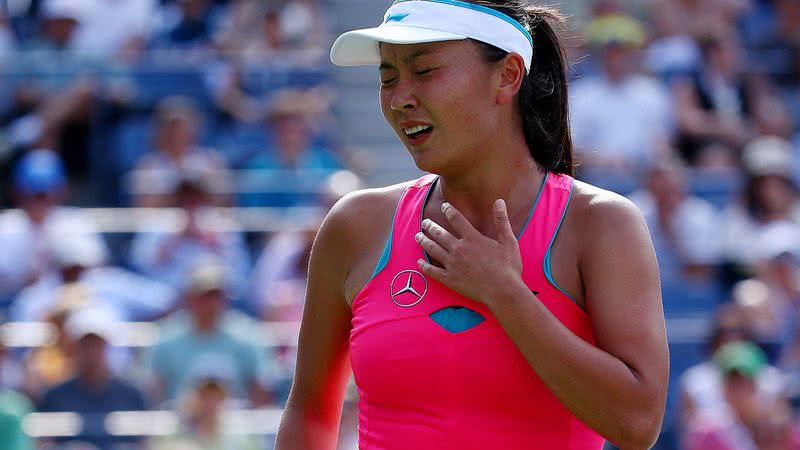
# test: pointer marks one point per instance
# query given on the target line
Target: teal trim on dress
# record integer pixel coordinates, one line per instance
(546, 266)
(456, 319)
(387, 248)
(422, 212)
(483, 9)
(533, 208)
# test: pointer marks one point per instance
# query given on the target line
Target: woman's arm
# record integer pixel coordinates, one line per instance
(618, 388)
(311, 418)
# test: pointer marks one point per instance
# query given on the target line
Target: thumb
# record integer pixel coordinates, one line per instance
(502, 223)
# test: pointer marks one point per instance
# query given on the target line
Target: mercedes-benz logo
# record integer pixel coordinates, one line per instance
(408, 291)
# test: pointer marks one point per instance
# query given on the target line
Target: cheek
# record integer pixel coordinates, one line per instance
(385, 102)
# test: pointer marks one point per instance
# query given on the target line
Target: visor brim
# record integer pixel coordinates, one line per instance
(360, 47)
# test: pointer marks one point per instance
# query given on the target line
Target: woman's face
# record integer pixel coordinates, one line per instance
(446, 88)
(774, 193)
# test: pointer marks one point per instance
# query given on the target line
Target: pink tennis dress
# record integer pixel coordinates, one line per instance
(432, 374)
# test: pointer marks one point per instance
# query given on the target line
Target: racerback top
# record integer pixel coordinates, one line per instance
(424, 386)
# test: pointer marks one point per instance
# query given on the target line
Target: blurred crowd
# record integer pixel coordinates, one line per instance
(692, 109)
(165, 164)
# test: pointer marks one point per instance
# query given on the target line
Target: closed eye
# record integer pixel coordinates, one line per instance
(427, 71)
(387, 81)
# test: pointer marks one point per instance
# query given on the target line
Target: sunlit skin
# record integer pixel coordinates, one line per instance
(488, 182)
(469, 146)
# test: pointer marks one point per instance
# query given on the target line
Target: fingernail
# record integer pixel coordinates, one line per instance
(500, 205)
(445, 205)
(426, 222)
(418, 236)
(420, 262)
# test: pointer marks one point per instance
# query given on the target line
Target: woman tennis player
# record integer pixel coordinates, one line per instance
(496, 303)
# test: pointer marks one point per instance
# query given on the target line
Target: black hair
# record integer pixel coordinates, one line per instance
(542, 98)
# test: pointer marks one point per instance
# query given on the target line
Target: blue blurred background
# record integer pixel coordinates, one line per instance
(165, 163)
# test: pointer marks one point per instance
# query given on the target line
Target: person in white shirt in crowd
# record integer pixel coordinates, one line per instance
(620, 118)
(27, 234)
(132, 297)
(177, 153)
(113, 29)
(769, 195)
(684, 228)
(168, 251)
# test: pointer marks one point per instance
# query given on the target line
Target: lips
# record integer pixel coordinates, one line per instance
(415, 132)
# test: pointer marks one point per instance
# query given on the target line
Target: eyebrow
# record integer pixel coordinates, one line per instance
(407, 59)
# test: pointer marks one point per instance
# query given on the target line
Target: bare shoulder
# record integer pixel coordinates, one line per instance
(364, 210)
(599, 212)
(353, 234)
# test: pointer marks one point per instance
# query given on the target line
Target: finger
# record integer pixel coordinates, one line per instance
(457, 220)
(431, 247)
(437, 273)
(439, 234)
(502, 224)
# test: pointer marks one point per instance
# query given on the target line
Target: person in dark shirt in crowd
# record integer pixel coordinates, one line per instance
(94, 391)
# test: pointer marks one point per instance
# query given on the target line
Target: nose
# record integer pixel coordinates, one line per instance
(403, 97)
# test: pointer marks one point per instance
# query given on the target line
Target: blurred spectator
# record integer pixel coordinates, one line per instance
(27, 236)
(241, 23)
(59, 20)
(672, 50)
(774, 35)
(278, 281)
(695, 15)
(701, 386)
(684, 228)
(59, 117)
(131, 296)
(203, 404)
(177, 154)
(302, 24)
(282, 32)
(296, 166)
(94, 391)
(208, 336)
(731, 424)
(169, 254)
(776, 429)
(13, 407)
(53, 362)
(268, 43)
(113, 29)
(188, 24)
(778, 268)
(714, 104)
(279, 277)
(620, 118)
(769, 196)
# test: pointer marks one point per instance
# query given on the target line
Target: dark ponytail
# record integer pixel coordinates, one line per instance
(543, 94)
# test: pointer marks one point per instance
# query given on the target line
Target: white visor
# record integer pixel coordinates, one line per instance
(420, 21)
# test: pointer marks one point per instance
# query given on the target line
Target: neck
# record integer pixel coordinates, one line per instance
(507, 172)
(205, 326)
(95, 377)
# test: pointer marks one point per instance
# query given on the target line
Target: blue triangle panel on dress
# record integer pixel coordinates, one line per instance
(456, 319)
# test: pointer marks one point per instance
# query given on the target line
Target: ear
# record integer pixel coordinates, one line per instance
(511, 71)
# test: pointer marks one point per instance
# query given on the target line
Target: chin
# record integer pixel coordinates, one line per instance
(425, 160)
